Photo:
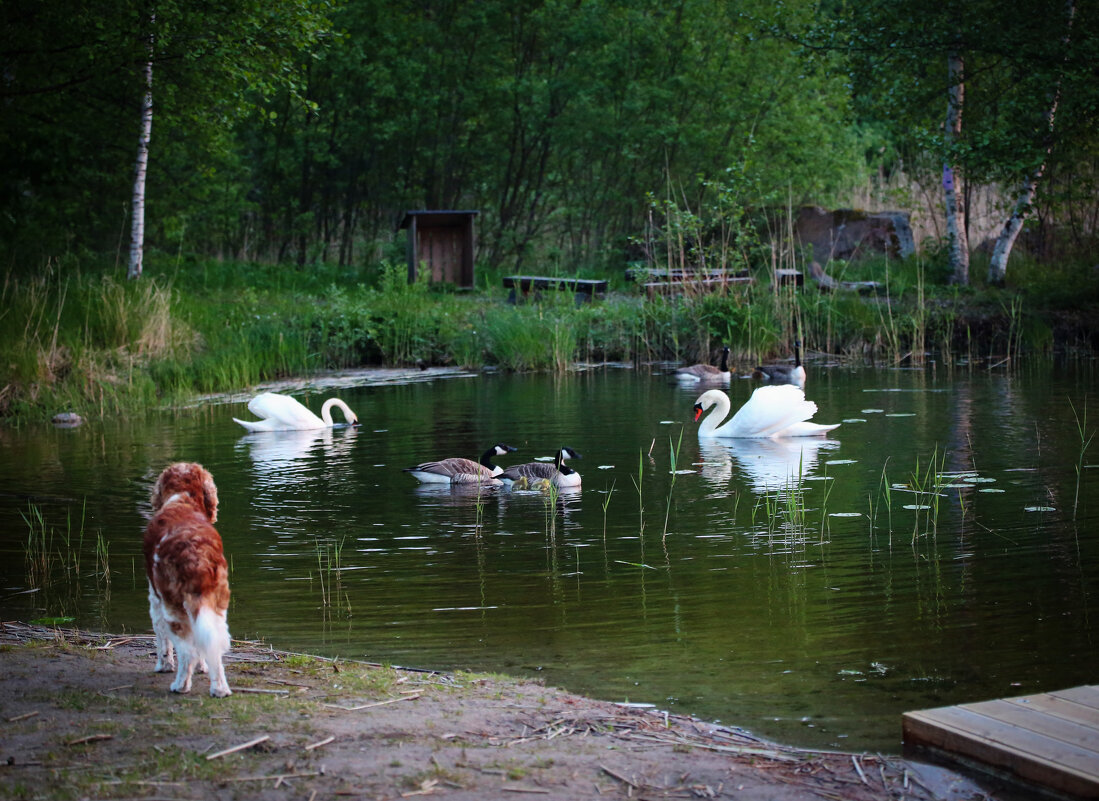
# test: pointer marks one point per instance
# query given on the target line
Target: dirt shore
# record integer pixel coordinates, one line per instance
(84, 716)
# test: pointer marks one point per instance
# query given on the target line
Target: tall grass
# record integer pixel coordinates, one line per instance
(85, 340)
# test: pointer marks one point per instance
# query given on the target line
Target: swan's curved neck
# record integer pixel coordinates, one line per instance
(326, 410)
(718, 412)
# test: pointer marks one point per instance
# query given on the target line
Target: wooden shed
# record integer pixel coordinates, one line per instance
(441, 241)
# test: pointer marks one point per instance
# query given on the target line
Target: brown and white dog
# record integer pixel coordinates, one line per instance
(188, 577)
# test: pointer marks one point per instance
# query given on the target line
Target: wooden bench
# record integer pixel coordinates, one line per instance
(688, 285)
(522, 285)
(652, 274)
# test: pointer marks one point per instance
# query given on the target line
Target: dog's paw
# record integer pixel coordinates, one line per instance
(165, 667)
(181, 687)
(220, 692)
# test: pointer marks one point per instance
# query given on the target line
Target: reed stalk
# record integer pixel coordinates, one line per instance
(674, 458)
(1085, 443)
(606, 503)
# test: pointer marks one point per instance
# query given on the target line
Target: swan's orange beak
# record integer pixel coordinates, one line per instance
(698, 411)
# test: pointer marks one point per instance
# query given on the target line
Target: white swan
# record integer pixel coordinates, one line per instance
(533, 475)
(706, 372)
(283, 413)
(778, 411)
(457, 470)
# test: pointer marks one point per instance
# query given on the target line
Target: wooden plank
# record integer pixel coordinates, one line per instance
(1040, 722)
(1087, 695)
(1030, 756)
(1059, 707)
(526, 283)
(688, 285)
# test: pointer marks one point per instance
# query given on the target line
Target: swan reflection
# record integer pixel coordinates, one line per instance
(294, 457)
(768, 464)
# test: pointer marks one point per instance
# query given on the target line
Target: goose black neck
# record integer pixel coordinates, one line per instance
(487, 456)
(797, 353)
(725, 360)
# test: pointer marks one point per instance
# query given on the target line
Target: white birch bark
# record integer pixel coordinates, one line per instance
(137, 222)
(997, 267)
(957, 237)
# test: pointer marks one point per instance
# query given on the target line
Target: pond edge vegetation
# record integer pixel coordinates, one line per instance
(83, 339)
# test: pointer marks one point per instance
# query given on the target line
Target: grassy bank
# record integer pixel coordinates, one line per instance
(79, 339)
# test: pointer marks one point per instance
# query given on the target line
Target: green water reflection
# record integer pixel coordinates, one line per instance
(769, 603)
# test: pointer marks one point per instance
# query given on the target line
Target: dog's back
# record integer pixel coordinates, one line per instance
(188, 576)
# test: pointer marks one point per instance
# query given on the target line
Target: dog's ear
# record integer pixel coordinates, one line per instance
(209, 495)
(157, 498)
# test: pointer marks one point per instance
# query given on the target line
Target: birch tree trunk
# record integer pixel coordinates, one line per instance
(137, 224)
(957, 237)
(997, 268)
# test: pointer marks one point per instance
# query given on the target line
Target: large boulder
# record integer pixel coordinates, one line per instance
(850, 234)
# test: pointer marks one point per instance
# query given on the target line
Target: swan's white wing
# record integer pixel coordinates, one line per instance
(806, 430)
(769, 411)
(283, 412)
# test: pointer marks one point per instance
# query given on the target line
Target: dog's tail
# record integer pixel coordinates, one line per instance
(211, 634)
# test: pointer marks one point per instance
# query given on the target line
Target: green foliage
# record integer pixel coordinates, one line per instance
(86, 342)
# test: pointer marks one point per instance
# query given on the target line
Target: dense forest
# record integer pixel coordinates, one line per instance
(299, 131)
(250, 161)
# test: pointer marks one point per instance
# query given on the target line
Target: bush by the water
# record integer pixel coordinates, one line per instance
(86, 340)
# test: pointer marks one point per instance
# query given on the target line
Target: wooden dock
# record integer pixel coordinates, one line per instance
(1050, 740)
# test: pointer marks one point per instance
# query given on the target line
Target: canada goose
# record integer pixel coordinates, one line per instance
(783, 373)
(706, 372)
(283, 413)
(457, 470)
(559, 473)
(779, 411)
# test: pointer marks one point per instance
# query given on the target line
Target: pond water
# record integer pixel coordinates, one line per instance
(786, 587)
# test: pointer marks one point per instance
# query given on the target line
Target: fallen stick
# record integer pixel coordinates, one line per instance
(325, 741)
(620, 777)
(376, 703)
(260, 690)
(278, 777)
(240, 747)
(525, 790)
(858, 769)
(22, 717)
(91, 738)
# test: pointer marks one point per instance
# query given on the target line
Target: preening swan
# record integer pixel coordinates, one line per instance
(779, 411)
(783, 373)
(283, 413)
(706, 372)
(457, 470)
(530, 473)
